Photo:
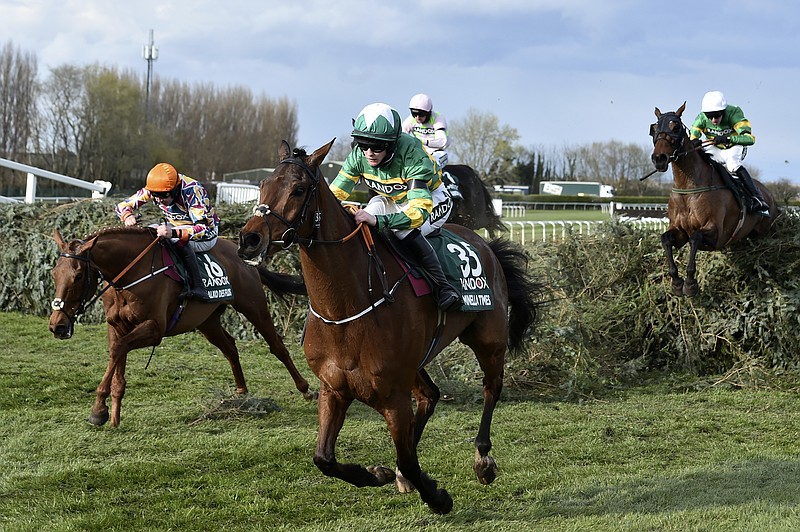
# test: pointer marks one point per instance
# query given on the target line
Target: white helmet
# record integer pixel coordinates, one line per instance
(422, 102)
(713, 101)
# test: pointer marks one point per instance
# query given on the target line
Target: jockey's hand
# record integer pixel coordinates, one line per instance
(164, 230)
(130, 220)
(363, 216)
(696, 143)
(722, 140)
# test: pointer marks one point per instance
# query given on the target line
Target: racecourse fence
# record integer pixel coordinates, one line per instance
(547, 231)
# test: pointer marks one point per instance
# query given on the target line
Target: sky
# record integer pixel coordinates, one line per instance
(561, 72)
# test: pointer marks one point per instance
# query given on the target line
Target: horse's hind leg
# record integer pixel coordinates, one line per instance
(216, 334)
(426, 395)
(484, 465)
(332, 409)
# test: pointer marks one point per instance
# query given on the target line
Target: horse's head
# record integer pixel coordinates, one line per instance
(281, 217)
(669, 137)
(75, 282)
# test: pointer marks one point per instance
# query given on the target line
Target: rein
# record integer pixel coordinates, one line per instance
(58, 304)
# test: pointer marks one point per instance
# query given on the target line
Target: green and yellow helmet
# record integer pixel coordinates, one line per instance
(377, 122)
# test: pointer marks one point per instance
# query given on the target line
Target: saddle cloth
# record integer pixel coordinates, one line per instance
(212, 272)
(461, 264)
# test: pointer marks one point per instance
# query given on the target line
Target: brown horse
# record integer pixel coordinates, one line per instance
(372, 345)
(141, 307)
(704, 210)
(476, 210)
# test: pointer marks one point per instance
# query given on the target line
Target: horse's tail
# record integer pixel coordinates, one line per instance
(282, 283)
(493, 222)
(524, 294)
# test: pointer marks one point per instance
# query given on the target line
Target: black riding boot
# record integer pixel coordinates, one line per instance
(446, 296)
(451, 182)
(757, 203)
(196, 288)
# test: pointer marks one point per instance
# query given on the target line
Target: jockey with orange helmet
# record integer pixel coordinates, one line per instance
(190, 220)
(410, 198)
(430, 128)
(727, 126)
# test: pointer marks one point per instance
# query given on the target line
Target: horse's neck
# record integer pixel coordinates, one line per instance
(112, 253)
(689, 171)
(336, 274)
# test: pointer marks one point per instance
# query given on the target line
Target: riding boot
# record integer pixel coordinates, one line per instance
(446, 296)
(757, 203)
(452, 185)
(196, 289)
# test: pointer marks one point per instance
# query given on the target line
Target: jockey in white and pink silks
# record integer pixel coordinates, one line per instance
(430, 128)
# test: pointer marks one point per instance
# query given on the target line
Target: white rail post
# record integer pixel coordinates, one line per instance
(30, 189)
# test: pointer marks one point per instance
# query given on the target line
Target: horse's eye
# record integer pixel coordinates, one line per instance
(299, 191)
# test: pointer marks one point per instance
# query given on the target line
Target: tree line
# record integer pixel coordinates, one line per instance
(96, 122)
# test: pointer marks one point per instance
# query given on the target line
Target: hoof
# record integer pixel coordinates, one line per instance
(98, 420)
(311, 396)
(677, 288)
(402, 483)
(690, 288)
(383, 475)
(442, 504)
(485, 469)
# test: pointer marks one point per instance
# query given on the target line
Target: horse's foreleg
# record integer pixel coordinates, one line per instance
(113, 381)
(401, 425)
(668, 242)
(332, 410)
(426, 395)
(690, 286)
(214, 332)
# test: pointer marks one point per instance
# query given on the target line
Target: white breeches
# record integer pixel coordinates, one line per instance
(731, 157)
(442, 207)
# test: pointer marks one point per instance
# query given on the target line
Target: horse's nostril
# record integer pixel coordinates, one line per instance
(251, 240)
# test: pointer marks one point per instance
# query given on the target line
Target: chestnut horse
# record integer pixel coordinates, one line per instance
(476, 210)
(703, 210)
(141, 307)
(368, 336)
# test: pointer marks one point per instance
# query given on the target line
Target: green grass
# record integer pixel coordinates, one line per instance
(661, 457)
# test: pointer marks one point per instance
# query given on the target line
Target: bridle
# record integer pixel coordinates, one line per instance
(676, 137)
(87, 290)
(290, 236)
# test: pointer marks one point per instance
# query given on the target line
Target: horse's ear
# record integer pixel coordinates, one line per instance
(316, 158)
(60, 241)
(681, 109)
(284, 151)
(658, 113)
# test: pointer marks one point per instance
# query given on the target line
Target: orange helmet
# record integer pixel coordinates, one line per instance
(162, 178)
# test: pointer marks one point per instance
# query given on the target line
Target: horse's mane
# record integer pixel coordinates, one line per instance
(117, 230)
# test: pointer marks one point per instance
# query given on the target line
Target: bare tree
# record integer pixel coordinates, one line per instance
(783, 190)
(480, 141)
(18, 96)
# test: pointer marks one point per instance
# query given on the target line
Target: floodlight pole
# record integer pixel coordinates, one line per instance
(150, 54)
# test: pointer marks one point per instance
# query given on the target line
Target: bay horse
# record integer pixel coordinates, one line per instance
(476, 210)
(373, 346)
(703, 209)
(141, 306)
